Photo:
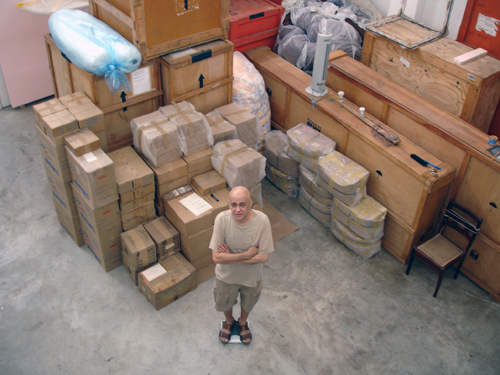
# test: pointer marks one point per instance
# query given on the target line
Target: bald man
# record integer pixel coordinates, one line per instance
(240, 244)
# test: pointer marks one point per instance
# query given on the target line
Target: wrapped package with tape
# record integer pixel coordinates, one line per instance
(94, 47)
(307, 145)
(343, 178)
(194, 132)
(256, 197)
(155, 137)
(364, 248)
(287, 184)
(366, 219)
(248, 127)
(317, 210)
(239, 164)
(221, 129)
(276, 144)
(308, 182)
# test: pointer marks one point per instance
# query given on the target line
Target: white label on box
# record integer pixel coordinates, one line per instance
(141, 81)
(472, 77)
(487, 24)
(404, 61)
(154, 272)
(169, 246)
(90, 157)
(185, 52)
(196, 204)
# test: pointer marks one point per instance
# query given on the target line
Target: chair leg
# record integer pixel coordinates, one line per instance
(440, 279)
(410, 263)
(459, 266)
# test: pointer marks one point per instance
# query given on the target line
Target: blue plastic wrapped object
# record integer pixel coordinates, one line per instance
(94, 47)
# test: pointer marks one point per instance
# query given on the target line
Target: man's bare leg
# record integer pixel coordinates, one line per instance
(230, 321)
(243, 321)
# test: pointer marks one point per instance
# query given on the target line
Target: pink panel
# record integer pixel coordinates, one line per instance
(23, 57)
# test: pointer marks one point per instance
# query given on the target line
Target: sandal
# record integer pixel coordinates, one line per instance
(224, 335)
(245, 336)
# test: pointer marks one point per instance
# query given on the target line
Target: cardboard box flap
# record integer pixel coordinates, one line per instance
(160, 230)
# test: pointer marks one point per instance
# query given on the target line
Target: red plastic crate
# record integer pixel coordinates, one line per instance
(267, 38)
(250, 17)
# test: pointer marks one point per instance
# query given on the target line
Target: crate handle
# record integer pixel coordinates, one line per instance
(202, 55)
(256, 15)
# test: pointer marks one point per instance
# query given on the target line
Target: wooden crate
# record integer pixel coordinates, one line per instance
(158, 27)
(120, 108)
(201, 75)
(412, 196)
(438, 132)
(470, 91)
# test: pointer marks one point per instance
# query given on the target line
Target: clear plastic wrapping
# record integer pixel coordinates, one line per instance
(94, 47)
(287, 184)
(175, 109)
(307, 145)
(249, 91)
(221, 129)
(276, 144)
(307, 181)
(366, 219)
(155, 137)
(364, 248)
(248, 127)
(343, 178)
(256, 195)
(296, 48)
(317, 210)
(238, 164)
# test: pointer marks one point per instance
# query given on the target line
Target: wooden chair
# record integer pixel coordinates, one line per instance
(439, 253)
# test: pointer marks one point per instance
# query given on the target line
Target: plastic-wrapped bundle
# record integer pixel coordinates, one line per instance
(94, 47)
(156, 138)
(366, 219)
(296, 48)
(307, 181)
(287, 184)
(364, 248)
(343, 178)
(256, 196)
(303, 17)
(248, 127)
(344, 36)
(307, 145)
(276, 144)
(317, 210)
(221, 129)
(175, 109)
(238, 164)
(249, 91)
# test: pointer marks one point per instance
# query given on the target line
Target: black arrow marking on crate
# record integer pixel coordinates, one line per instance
(185, 4)
(123, 96)
(201, 80)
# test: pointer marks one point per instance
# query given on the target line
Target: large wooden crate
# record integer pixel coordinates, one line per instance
(470, 91)
(120, 108)
(158, 27)
(411, 194)
(443, 135)
(201, 75)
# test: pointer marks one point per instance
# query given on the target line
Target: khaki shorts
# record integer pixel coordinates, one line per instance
(226, 295)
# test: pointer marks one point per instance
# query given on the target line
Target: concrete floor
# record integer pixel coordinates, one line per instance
(324, 310)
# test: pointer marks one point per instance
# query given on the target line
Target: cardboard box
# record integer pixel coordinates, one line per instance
(160, 210)
(207, 183)
(195, 247)
(143, 219)
(186, 222)
(170, 171)
(135, 203)
(127, 264)
(131, 171)
(107, 252)
(56, 125)
(82, 141)
(167, 281)
(103, 139)
(70, 223)
(200, 162)
(89, 116)
(103, 222)
(169, 186)
(74, 99)
(54, 157)
(137, 193)
(46, 108)
(139, 247)
(62, 192)
(94, 176)
(138, 212)
(165, 236)
(219, 201)
(203, 262)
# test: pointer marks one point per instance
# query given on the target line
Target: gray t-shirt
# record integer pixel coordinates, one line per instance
(239, 238)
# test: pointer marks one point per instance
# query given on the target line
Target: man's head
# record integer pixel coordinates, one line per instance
(240, 204)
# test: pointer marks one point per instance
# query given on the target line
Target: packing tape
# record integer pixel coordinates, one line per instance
(224, 159)
(129, 168)
(185, 117)
(52, 107)
(346, 238)
(153, 123)
(216, 122)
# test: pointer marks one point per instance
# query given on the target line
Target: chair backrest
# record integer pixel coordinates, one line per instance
(462, 220)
